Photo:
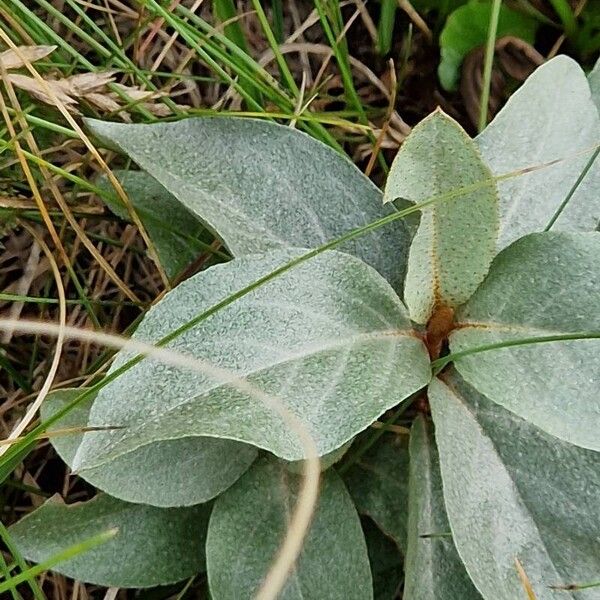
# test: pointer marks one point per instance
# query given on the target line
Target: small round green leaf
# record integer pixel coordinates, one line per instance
(248, 525)
(153, 546)
(467, 28)
(544, 284)
(515, 493)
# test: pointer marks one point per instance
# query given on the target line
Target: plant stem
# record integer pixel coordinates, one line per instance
(385, 29)
(566, 15)
(440, 363)
(368, 443)
(489, 62)
(572, 191)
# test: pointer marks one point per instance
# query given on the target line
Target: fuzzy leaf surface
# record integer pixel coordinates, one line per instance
(514, 492)
(433, 567)
(544, 284)
(542, 122)
(455, 242)
(153, 546)
(248, 525)
(329, 338)
(184, 471)
(262, 186)
(378, 484)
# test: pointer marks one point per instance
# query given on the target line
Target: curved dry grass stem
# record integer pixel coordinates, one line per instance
(113, 180)
(309, 490)
(60, 337)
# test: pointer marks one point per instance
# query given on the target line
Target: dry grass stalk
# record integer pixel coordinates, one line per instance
(11, 60)
(91, 88)
(88, 87)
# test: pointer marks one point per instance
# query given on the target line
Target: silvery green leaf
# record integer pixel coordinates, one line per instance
(153, 546)
(433, 567)
(184, 471)
(248, 525)
(262, 186)
(378, 484)
(329, 338)
(542, 285)
(541, 122)
(514, 492)
(173, 229)
(456, 239)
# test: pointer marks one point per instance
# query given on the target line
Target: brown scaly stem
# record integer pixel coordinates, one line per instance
(439, 327)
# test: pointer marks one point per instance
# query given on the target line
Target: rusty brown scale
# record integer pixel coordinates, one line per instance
(439, 327)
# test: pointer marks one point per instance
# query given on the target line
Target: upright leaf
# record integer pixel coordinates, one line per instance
(185, 471)
(433, 567)
(542, 285)
(551, 117)
(455, 242)
(153, 546)
(262, 186)
(173, 229)
(515, 493)
(329, 338)
(378, 484)
(248, 525)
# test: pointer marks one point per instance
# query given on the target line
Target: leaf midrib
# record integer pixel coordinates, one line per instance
(307, 352)
(510, 327)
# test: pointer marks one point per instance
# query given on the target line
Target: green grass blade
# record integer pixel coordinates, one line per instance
(488, 64)
(16, 376)
(67, 554)
(332, 23)
(281, 62)
(440, 363)
(385, 27)
(5, 570)
(20, 562)
(225, 11)
(567, 16)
